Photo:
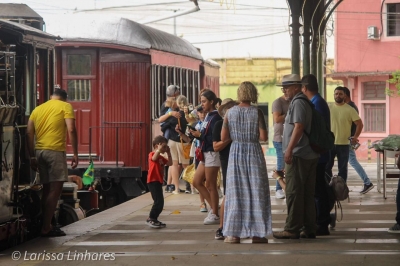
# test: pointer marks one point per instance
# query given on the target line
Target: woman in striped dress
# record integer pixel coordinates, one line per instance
(247, 202)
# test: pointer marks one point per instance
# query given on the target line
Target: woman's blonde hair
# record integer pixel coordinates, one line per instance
(247, 92)
(182, 101)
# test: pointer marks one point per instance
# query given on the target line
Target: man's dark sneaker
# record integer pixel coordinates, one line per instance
(219, 235)
(304, 234)
(286, 235)
(322, 231)
(367, 188)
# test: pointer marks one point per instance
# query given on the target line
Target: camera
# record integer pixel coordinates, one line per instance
(190, 108)
(354, 146)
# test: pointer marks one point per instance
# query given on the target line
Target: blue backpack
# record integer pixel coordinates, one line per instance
(320, 136)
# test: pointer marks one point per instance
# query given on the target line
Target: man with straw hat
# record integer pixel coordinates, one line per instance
(300, 163)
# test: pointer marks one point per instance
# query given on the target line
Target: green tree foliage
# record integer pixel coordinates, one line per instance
(396, 81)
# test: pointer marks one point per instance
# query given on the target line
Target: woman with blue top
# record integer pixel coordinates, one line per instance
(209, 165)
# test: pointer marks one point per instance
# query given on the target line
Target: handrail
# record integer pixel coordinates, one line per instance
(117, 137)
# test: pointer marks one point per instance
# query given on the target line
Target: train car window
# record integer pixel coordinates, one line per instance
(79, 64)
(196, 90)
(189, 95)
(184, 82)
(163, 80)
(79, 90)
(79, 73)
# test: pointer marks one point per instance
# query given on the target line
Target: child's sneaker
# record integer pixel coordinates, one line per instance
(153, 223)
(163, 225)
(203, 207)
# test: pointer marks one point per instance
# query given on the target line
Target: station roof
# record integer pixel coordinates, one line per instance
(10, 30)
(120, 31)
(16, 11)
(25, 29)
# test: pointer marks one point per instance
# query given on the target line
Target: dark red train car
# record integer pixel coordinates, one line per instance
(209, 72)
(116, 72)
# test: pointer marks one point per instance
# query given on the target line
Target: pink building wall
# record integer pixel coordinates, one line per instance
(359, 60)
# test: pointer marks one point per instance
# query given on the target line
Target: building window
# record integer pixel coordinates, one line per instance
(374, 106)
(393, 20)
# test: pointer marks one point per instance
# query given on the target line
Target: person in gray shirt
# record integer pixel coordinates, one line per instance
(300, 163)
(279, 109)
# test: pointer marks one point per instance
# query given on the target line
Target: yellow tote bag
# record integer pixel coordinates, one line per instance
(188, 173)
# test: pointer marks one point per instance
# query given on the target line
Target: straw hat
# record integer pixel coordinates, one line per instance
(225, 105)
(290, 79)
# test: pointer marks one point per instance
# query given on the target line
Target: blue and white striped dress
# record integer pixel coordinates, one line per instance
(247, 201)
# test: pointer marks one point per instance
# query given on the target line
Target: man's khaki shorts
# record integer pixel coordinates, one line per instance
(52, 166)
(177, 152)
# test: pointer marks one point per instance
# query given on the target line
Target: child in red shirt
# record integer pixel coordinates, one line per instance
(155, 179)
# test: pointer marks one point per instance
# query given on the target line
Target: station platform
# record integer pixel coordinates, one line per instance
(119, 236)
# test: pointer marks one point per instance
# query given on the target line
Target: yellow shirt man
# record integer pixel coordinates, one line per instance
(49, 120)
(342, 117)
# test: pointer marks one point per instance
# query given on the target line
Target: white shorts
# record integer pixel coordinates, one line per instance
(211, 159)
(177, 152)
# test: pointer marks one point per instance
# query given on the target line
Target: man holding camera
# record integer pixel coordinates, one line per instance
(342, 117)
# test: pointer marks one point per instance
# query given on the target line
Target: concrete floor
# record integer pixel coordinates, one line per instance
(361, 238)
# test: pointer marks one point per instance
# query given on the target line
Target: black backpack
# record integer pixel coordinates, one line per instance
(321, 137)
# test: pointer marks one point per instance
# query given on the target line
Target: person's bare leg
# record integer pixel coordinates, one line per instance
(201, 197)
(211, 183)
(50, 197)
(198, 183)
(175, 174)
(169, 178)
(221, 217)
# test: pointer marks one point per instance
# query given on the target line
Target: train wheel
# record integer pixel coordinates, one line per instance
(69, 215)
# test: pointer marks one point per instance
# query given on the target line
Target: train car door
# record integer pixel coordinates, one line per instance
(126, 106)
(79, 80)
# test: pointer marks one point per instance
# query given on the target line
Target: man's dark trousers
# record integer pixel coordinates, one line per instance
(342, 154)
(322, 203)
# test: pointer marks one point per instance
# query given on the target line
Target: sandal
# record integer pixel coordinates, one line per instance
(232, 240)
(55, 232)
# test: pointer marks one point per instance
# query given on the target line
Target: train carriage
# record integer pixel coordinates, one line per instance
(116, 72)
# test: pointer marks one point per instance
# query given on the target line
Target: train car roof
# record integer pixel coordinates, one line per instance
(120, 31)
(212, 63)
